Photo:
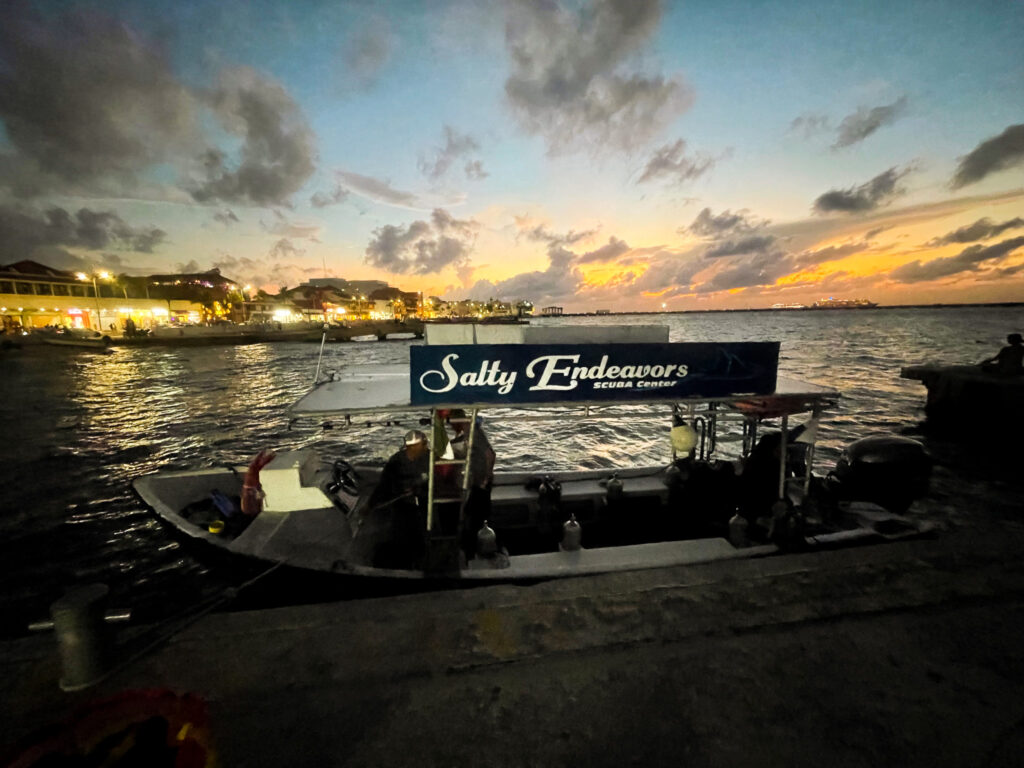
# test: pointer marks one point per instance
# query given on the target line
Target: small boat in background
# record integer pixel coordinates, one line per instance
(82, 338)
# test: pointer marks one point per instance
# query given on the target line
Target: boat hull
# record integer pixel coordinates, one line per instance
(325, 552)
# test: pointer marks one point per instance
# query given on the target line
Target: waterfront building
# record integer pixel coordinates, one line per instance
(551, 311)
(33, 295)
(395, 303)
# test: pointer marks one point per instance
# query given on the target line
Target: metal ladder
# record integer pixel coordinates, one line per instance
(435, 462)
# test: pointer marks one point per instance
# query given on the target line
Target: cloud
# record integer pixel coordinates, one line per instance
(285, 249)
(671, 163)
(24, 233)
(367, 50)
(539, 232)
(423, 247)
(752, 244)
(286, 228)
(276, 156)
(90, 106)
(570, 81)
(813, 258)
(378, 190)
(87, 103)
(323, 199)
(966, 261)
(866, 197)
(269, 273)
(809, 124)
(456, 145)
(560, 280)
(226, 217)
(669, 272)
(612, 250)
(707, 224)
(763, 268)
(982, 229)
(996, 154)
(475, 170)
(857, 126)
(1004, 272)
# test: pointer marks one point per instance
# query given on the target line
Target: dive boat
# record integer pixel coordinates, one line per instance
(695, 507)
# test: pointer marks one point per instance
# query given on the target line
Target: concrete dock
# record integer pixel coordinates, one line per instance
(899, 654)
(970, 398)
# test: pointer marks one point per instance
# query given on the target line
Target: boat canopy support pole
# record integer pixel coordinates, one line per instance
(815, 415)
(466, 467)
(783, 450)
(430, 474)
(323, 340)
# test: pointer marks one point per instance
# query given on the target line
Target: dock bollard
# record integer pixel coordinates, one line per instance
(78, 619)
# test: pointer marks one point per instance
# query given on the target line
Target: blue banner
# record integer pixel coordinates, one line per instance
(512, 374)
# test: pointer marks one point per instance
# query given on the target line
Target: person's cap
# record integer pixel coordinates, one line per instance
(1013, 338)
(457, 414)
(414, 436)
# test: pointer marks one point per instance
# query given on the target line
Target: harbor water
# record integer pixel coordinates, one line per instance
(78, 427)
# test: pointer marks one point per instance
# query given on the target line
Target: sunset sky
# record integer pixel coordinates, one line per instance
(618, 154)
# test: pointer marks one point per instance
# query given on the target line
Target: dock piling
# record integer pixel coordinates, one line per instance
(78, 619)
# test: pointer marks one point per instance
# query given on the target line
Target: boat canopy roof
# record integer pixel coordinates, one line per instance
(386, 389)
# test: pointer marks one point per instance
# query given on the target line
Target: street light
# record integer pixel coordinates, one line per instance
(95, 292)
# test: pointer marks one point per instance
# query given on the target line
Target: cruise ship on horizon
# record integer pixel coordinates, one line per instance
(834, 303)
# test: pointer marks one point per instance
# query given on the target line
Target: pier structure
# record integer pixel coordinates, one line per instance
(970, 398)
(906, 654)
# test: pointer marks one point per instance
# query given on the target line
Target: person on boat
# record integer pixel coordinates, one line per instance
(400, 496)
(481, 476)
(1009, 360)
(404, 477)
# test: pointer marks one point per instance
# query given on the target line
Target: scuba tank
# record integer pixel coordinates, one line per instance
(738, 531)
(486, 541)
(572, 534)
(672, 475)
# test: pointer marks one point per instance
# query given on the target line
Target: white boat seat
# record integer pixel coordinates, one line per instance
(289, 482)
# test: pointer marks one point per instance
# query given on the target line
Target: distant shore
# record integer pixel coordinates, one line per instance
(791, 310)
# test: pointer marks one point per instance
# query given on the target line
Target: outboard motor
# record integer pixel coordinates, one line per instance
(889, 470)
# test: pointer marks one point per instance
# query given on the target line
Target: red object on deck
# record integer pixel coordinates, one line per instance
(252, 491)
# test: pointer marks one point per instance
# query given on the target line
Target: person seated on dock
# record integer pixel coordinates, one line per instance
(401, 492)
(1010, 359)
